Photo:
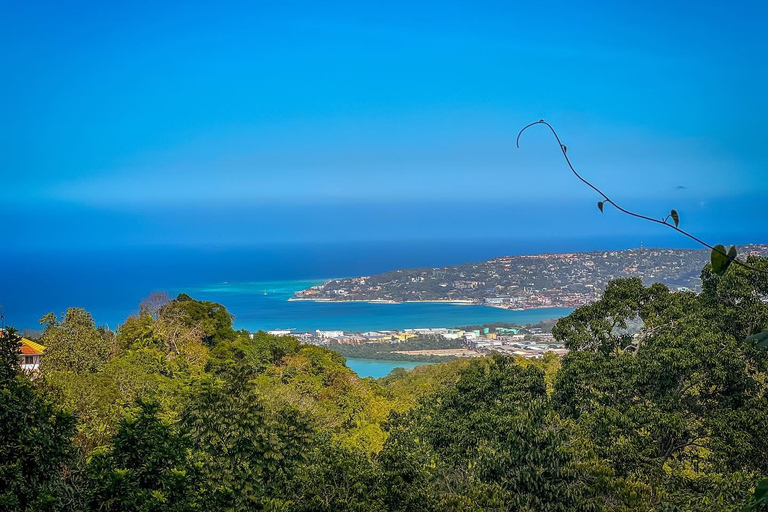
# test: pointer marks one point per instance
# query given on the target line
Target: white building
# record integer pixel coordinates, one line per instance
(30, 356)
(329, 334)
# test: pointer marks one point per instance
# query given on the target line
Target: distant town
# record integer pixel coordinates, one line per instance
(530, 341)
(566, 280)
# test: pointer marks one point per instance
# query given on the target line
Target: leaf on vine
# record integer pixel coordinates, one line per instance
(720, 260)
(732, 253)
(760, 339)
(600, 205)
(675, 217)
(760, 496)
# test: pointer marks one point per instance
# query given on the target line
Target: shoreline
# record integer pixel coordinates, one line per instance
(463, 302)
(457, 302)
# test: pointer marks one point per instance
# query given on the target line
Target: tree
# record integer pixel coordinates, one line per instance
(494, 443)
(336, 478)
(34, 438)
(736, 301)
(162, 326)
(679, 405)
(146, 469)
(247, 455)
(212, 318)
(153, 304)
(250, 356)
(74, 344)
(10, 351)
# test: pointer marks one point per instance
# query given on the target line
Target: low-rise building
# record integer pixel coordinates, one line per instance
(349, 339)
(31, 354)
(329, 334)
(280, 332)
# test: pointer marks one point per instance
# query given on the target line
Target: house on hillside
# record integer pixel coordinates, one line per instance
(31, 353)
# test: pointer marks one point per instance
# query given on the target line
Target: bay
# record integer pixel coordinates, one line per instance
(378, 368)
(264, 305)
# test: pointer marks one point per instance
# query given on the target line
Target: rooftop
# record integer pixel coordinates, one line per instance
(30, 348)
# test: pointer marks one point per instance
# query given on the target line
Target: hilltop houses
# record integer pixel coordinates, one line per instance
(30, 356)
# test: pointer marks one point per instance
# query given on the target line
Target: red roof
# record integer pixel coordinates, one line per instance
(30, 348)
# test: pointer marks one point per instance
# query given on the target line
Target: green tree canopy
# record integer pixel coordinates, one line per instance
(146, 469)
(681, 404)
(74, 344)
(212, 318)
(34, 439)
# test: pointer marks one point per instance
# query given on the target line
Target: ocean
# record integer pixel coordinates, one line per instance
(110, 282)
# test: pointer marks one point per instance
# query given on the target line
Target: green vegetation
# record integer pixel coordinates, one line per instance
(388, 351)
(35, 438)
(177, 411)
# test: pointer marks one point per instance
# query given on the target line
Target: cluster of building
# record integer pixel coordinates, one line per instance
(519, 346)
(529, 281)
(511, 341)
(542, 299)
(319, 337)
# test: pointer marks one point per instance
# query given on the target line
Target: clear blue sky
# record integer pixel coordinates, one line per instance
(239, 122)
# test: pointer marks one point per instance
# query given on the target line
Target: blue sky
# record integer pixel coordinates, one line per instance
(246, 122)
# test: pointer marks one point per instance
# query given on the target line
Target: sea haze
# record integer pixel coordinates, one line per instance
(110, 282)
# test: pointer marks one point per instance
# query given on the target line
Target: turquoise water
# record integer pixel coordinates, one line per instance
(376, 368)
(254, 310)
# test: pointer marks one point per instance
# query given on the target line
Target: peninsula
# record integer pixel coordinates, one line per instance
(565, 280)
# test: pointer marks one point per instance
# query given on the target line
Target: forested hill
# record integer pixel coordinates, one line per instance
(567, 279)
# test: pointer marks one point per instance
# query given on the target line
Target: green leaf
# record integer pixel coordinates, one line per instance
(720, 260)
(600, 205)
(761, 491)
(675, 217)
(732, 253)
(760, 339)
(760, 496)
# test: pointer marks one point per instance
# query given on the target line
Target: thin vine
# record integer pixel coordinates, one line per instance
(721, 258)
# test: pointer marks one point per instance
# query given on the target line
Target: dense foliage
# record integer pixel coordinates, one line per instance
(35, 444)
(178, 411)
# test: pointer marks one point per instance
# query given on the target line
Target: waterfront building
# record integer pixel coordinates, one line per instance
(280, 332)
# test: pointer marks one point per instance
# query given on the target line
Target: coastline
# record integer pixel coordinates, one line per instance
(457, 302)
(461, 302)
(255, 311)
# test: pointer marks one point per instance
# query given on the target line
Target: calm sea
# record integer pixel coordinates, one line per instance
(254, 310)
(110, 282)
(376, 368)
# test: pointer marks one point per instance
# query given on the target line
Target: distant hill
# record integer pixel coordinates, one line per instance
(518, 282)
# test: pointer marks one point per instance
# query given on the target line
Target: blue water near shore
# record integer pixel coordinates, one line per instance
(255, 311)
(376, 368)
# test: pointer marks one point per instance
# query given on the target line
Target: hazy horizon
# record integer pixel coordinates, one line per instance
(166, 124)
